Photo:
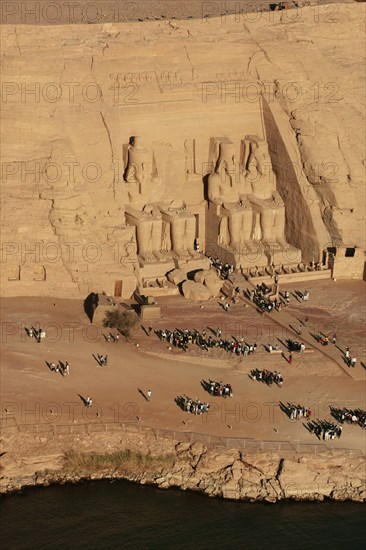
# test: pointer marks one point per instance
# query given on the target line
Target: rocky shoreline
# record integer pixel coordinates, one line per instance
(34, 460)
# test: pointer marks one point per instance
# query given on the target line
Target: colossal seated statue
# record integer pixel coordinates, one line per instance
(267, 205)
(163, 223)
(226, 188)
(183, 228)
(143, 188)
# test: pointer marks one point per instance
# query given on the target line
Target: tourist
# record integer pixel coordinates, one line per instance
(334, 338)
(148, 395)
(267, 377)
(30, 333)
(88, 402)
(347, 354)
(324, 429)
(296, 411)
(353, 362)
(290, 359)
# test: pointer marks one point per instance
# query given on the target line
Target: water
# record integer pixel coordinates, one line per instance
(121, 515)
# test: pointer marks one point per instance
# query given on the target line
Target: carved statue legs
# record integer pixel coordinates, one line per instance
(156, 237)
(143, 230)
(183, 235)
(240, 228)
(178, 230)
(280, 226)
(246, 227)
(273, 225)
(235, 223)
(267, 224)
(149, 233)
(190, 235)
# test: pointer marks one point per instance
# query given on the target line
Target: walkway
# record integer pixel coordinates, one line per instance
(291, 323)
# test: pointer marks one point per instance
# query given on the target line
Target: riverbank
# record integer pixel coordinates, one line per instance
(44, 459)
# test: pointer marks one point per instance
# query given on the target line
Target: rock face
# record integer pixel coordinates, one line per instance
(223, 472)
(210, 279)
(195, 291)
(65, 191)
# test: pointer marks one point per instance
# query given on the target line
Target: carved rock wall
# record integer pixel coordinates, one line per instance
(75, 94)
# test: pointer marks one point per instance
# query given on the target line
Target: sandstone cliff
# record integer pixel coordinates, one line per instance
(31, 459)
(74, 94)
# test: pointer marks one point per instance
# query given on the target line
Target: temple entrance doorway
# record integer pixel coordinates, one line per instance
(118, 289)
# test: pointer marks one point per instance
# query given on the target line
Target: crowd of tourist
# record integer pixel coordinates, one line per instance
(267, 376)
(224, 270)
(194, 406)
(295, 411)
(349, 416)
(260, 296)
(324, 429)
(183, 338)
(218, 389)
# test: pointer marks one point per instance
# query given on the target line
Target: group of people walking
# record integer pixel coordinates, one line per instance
(218, 389)
(182, 338)
(260, 296)
(112, 338)
(224, 270)
(350, 416)
(62, 368)
(324, 429)
(295, 412)
(37, 334)
(194, 406)
(267, 376)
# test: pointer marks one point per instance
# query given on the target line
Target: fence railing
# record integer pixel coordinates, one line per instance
(210, 440)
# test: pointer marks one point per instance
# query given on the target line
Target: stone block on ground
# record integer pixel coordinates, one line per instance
(210, 279)
(195, 291)
(177, 276)
(150, 312)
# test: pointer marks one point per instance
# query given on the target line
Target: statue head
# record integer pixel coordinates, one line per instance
(227, 157)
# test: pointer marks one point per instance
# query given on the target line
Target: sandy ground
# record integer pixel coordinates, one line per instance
(31, 393)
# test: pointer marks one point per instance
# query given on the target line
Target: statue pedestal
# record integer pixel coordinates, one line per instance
(243, 257)
(282, 255)
(194, 264)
